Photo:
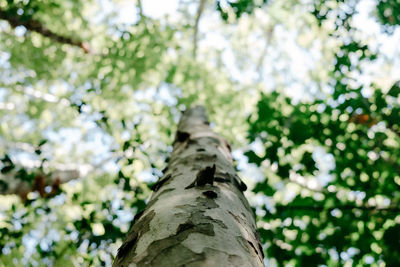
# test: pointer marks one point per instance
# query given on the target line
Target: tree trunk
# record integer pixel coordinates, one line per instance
(197, 215)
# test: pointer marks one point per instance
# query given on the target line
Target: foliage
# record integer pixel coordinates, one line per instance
(238, 8)
(331, 164)
(85, 94)
(90, 96)
(346, 212)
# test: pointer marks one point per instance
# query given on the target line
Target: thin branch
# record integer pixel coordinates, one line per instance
(305, 186)
(14, 185)
(36, 26)
(342, 208)
(260, 64)
(140, 7)
(55, 173)
(63, 173)
(196, 26)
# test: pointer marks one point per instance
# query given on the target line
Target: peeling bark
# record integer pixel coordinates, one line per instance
(197, 215)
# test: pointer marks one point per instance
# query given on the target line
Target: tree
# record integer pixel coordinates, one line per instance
(343, 175)
(197, 214)
(334, 158)
(91, 93)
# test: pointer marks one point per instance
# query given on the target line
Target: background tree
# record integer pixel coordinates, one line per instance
(91, 90)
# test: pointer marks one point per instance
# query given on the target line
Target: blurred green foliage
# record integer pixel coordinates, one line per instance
(238, 8)
(350, 211)
(88, 90)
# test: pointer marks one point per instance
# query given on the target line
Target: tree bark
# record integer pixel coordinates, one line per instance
(197, 215)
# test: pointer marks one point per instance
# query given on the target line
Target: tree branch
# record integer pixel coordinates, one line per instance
(342, 208)
(14, 185)
(36, 26)
(140, 8)
(55, 173)
(269, 31)
(196, 25)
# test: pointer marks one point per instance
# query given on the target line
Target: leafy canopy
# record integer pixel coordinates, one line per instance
(91, 91)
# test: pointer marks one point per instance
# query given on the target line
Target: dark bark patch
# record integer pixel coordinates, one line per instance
(205, 157)
(204, 224)
(165, 170)
(182, 136)
(180, 215)
(235, 260)
(167, 257)
(243, 242)
(242, 186)
(237, 218)
(224, 177)
(127, 245)
(200, 150)
(253, 247)
(184, 226)
(196, 167)
(258, 238)
(249, 247)
(205, 203)
(232, 259)
(210, 194)
(200, 205)
(229, 147)
(139, 228)
(228, 178)
(204, 141)
(193, 141)
(222, 180)
(137, 216)
(205, 176)
(163, 252)
(220, 224)
(155, 199)
(239, 184)
(261, 249)
(206, 228)
(157, 185)
(213, 140)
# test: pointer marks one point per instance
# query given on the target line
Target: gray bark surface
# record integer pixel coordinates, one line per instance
(197, 215)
